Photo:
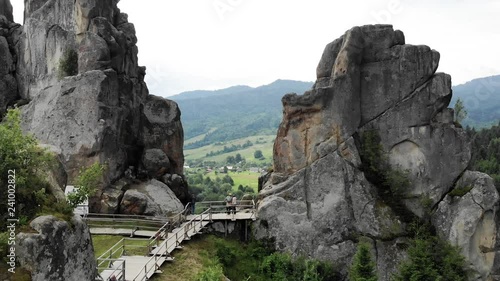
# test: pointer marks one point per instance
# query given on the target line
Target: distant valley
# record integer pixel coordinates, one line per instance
(229, 117)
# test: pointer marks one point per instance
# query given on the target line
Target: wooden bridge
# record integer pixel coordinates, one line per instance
(138, 259)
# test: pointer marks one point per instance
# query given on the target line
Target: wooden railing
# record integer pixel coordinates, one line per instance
(173, 241)
(157, 248)
(219, 207)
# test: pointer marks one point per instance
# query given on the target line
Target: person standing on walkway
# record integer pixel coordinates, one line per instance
(228, 202)
(234, 203)
(193, 203)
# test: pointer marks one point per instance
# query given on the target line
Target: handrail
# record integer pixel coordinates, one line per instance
(118, 272)
(163, 249)
(120, 245)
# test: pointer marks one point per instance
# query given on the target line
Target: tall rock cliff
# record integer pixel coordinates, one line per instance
(75, 65)
(322, 196)
(9, 36)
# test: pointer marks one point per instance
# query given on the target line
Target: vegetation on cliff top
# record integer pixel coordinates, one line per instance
(486, 151)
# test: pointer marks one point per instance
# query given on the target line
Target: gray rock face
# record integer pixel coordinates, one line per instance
(468, 220)
(155, 162)
(59, 251)
(151, 198)
(6, 10)
(318, 200)
(162, 129)
(8, 57)
(78, 67)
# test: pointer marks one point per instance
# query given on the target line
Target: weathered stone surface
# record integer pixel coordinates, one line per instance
(59, 251)
(318, 200)
(81, 115)
(155, 162)
(56, 176)
(111, 196)
(468, 220)
(162, 129)
(179, 186)
(103, 113)
(319, 215)
(8, 83)
(6, 10)
(151, 198)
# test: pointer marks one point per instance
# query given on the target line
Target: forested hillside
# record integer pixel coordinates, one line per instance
(481, 99)
(236, 112)
(486, 151)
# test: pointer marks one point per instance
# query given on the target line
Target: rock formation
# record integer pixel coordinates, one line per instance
(75, 65)
(9, 36)
(320, 198)
(59, 251)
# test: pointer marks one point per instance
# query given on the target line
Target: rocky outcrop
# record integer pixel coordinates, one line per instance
(153, 198)
(320, 199)
(59, 250)
(466, 217)
(77, 65)
(9, 36)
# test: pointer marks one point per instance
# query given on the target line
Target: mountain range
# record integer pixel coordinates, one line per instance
(233, 113)
(241, 111)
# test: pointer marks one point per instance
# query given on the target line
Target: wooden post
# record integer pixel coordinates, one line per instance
(246, 231)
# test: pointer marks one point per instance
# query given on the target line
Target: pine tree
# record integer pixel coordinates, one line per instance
(363, 268)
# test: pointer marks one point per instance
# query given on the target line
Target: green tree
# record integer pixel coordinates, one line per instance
(258, 154)
(86, 184)
(22, 164)
(460, 111)
(432, 258)
(68, 65)
(230, 160)
(238, 158)
(362, 268)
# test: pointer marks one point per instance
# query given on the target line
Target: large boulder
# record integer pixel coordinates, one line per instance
(153, 198)
(155, 162)
(322, 196)
(59, 250)
(162, 129)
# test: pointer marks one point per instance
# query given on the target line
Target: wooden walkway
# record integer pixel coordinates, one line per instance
(116, 264)
(159, 249)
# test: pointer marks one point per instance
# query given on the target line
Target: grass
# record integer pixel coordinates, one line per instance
(199, 137)
(103, 242)
(196, 255)
(265, 145)
(133, 247)
(243, 178)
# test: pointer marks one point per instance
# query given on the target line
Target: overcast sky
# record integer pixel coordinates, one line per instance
(212, 44)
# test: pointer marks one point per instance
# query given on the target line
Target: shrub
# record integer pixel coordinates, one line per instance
(431, 258)
(68, 65)
(391, 183)
(211, 273)
(22, 158)
(225, 253)
(86, 184)
(362, 268)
